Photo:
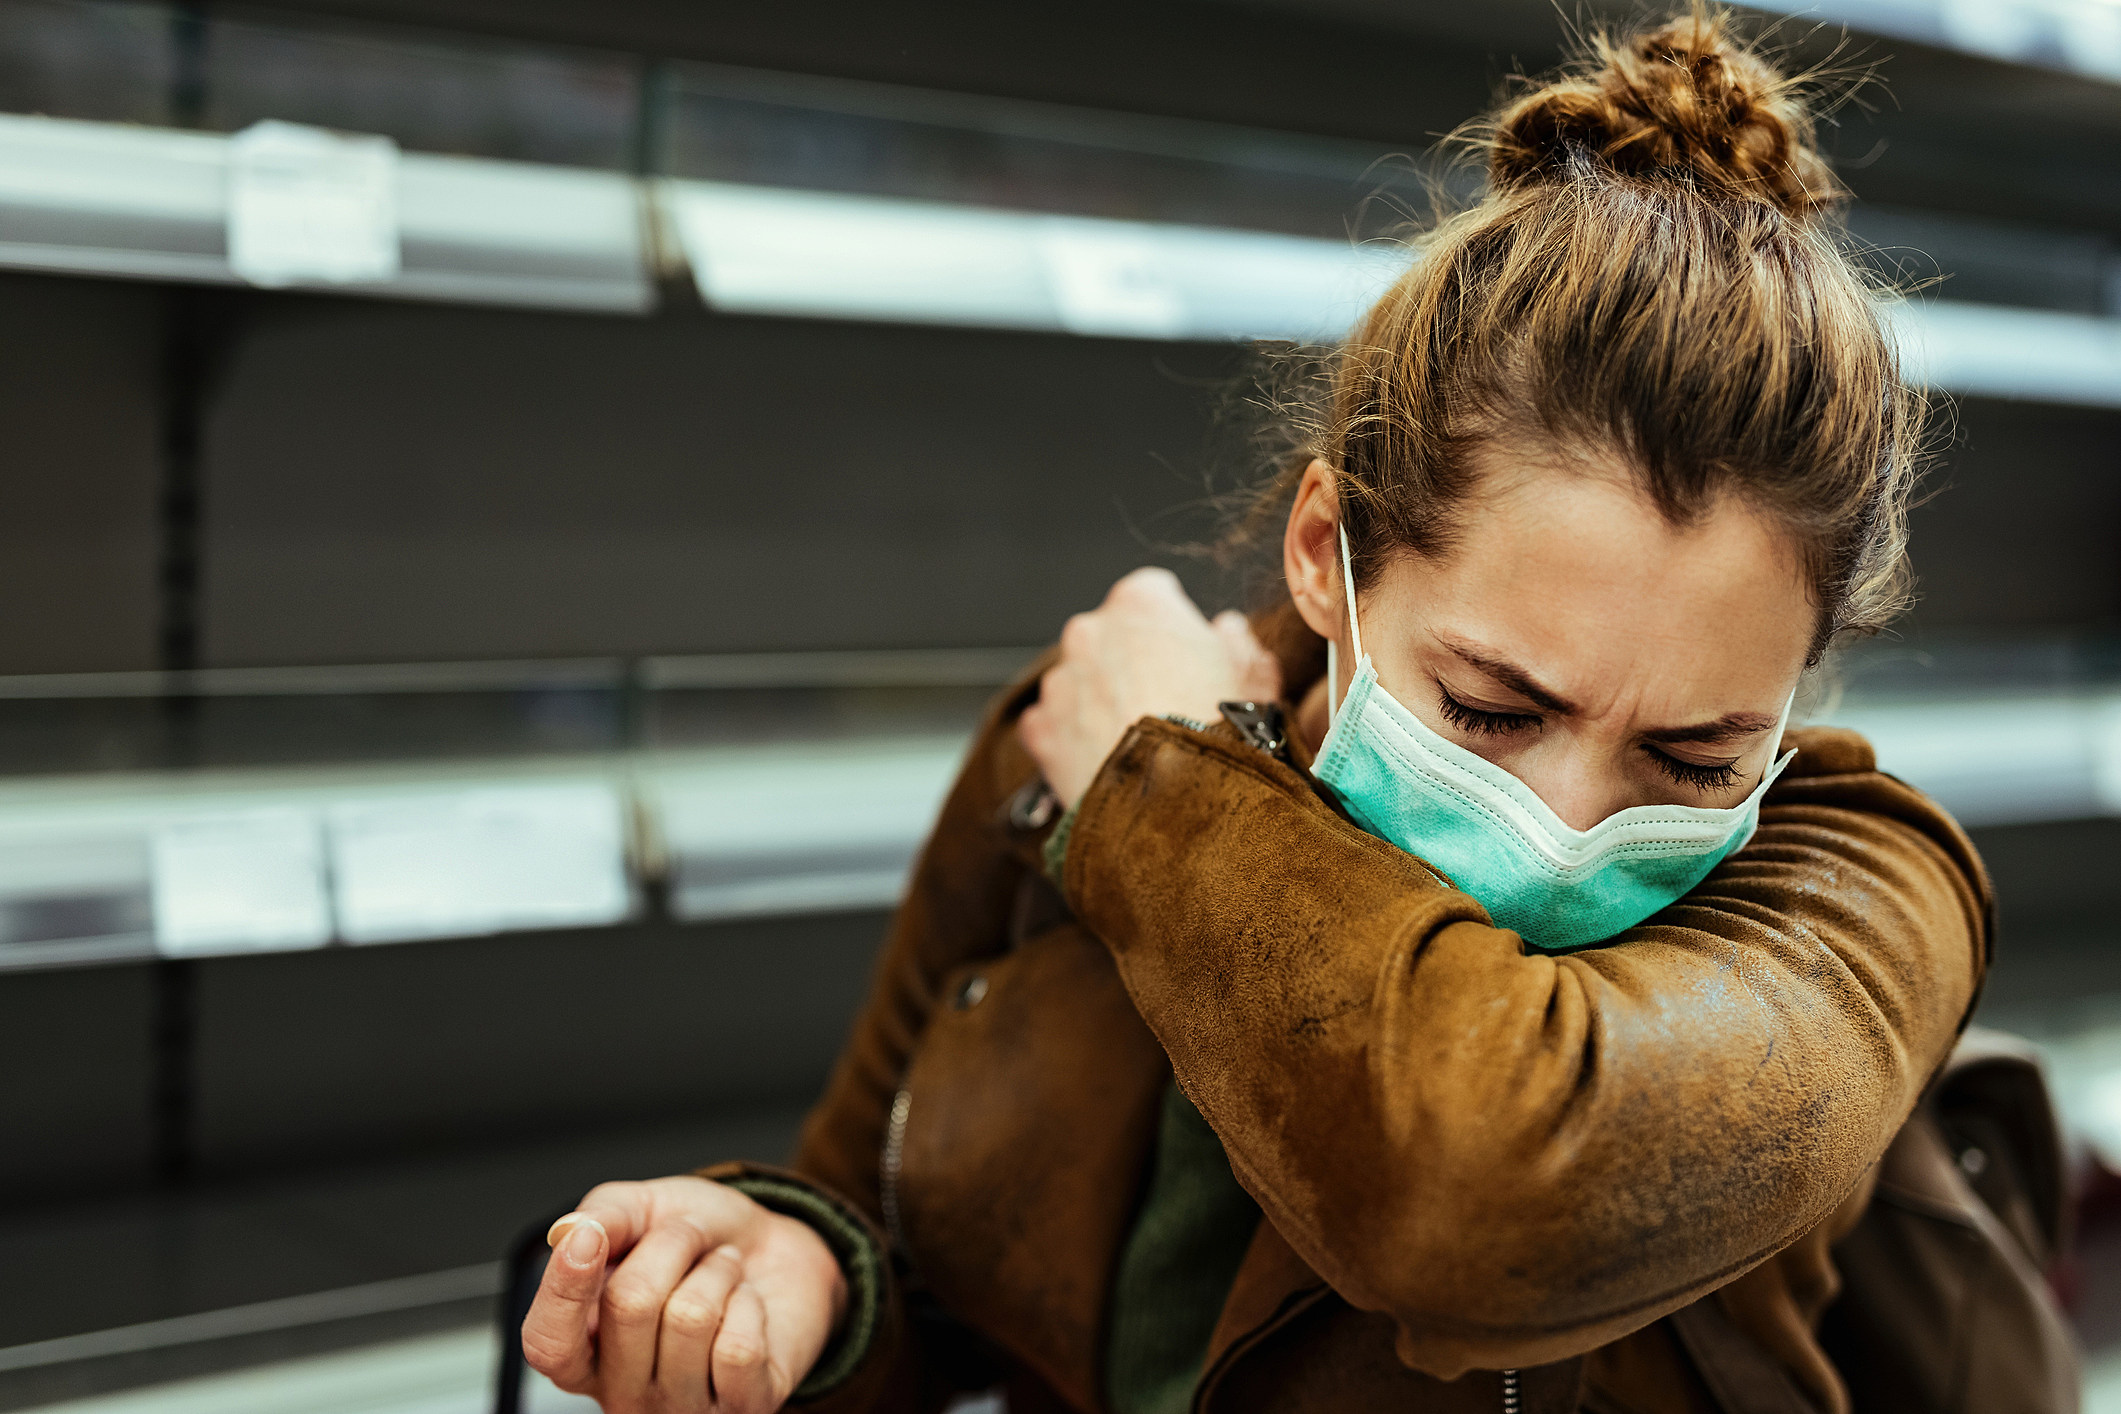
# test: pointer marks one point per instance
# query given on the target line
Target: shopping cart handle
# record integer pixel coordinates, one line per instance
(526, 1268)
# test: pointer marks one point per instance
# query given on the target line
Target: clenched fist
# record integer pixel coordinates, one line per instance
(1145, 652)
(715, 1305)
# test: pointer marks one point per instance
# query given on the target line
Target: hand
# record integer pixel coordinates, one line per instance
(1145, 652)
(718, 1306)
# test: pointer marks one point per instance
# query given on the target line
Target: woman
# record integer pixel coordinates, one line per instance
(1513, 1017)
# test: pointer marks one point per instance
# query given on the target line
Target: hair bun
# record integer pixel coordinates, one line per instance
(1687, 98)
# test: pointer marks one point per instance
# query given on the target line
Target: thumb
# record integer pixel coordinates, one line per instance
(556, 1340)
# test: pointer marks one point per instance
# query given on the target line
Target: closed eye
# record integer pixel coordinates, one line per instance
(1478, 720)
(1693, 773)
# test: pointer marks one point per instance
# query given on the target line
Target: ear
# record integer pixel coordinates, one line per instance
(1310, 553)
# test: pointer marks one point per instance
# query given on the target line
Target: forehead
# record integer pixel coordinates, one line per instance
(1577, 577)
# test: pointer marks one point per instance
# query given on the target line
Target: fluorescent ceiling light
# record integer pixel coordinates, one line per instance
(2077, 36)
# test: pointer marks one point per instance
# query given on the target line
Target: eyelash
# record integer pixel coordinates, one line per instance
(1484, 723)
(1473, 719)
(1688, 773)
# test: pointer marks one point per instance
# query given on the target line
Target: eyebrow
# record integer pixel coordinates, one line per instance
(1510, 676)
(1725, 728)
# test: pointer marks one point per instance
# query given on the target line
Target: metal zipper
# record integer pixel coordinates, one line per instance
(888, 1168)
(1264, 725)
(1509, 1392)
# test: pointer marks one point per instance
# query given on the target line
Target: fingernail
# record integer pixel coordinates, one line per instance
(585, 1244)
(730, 1252)
(560, 1228)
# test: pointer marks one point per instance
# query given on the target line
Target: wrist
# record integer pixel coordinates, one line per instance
(853, 1271)
(839, 1295)
(789, 1229)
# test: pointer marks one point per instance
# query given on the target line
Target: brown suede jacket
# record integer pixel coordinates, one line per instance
(1471, 1158)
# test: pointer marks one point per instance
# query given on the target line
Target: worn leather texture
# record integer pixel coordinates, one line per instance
(1470, 1157)
(1944, 1309)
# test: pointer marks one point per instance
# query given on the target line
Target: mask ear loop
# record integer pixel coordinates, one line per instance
(1347, 584)
(1778, 758)
(1347, 581)
(1332, 682)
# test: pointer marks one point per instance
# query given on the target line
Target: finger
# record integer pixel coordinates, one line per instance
(626, 1210)
(1151, 584)
(1079, 637)
(632, 1310)
(1058, 702)
(1037, 733)
(1056, 687)
(1257, 669)
(556, 1340)
(691, 1319)
(1236, 635)
(1236, 630)
(743, 1373)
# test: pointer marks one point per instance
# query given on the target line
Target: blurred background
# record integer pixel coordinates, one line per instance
(509, 509)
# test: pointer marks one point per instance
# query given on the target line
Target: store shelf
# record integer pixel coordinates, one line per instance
(793, 829)
(215, 863)
(147, 203)
(2075, 36)
(115, 200)
(2003, 760)
(767, 250)
(97, 869)
(2039, 355)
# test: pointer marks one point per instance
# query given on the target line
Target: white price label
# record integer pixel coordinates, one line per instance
(307, 205)
(246, 880)
(1110, 279)
(481, 860)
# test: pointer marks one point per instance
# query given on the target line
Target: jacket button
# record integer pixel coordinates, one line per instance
(970, 994)
(1033, 806)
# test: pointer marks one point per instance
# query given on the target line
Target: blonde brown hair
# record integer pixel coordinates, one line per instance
(1655, 275)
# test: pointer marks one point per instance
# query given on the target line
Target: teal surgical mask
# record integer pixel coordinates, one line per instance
(1557, 887)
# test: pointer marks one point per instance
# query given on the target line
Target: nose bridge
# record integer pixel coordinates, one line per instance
(1580, 782)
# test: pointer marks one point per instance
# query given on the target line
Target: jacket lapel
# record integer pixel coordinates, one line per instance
(1272, 1284)
(1032, 1108)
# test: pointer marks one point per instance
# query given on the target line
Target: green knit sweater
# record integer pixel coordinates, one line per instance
(1177, 1266)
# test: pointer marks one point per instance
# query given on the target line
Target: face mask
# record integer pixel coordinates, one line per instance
(1491, 834)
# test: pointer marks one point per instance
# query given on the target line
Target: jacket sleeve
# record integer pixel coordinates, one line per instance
(1520, 1157)
(957, 907)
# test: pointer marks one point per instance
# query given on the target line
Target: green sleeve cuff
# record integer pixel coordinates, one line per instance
(1054, 852)
(859, 1259)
